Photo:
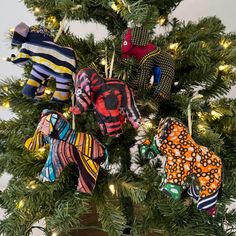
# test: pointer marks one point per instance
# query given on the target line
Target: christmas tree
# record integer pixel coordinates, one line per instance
(127, 199)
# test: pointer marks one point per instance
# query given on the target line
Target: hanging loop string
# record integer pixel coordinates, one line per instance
(106, 63)
(195, 96)
(112, 62)
(62, 27)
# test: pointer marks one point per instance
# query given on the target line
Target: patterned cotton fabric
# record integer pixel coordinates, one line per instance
(48, 59)
(149, 57)
(140, 36)
(184, 157)
(112, 101)
(141, 80)
(67, 146)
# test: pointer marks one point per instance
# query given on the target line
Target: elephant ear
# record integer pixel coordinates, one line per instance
(20, 34)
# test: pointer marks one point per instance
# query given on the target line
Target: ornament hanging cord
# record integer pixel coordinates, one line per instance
(195, 96)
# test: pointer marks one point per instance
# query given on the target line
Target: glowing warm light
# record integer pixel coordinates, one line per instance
(224, 67)
(174, 46)
(200, 114)
(225, 43)
(112, 188)
(48, 91)
(103, 61)
(20, 204)
(201, 128)
(21, 83)
(5, 88)
(42, 149)
(32, 184)
(54, 234)
(6, 104)
(204, 44)
(52, 19)
(66, 114)
(11, 29)
(114, 6)
(215, 114)
(36, 10)
(148, 125)
(161, 20)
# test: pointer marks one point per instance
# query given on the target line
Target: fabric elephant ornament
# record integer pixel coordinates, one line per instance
(136, 43)
(185, 158)
(112, 101)
(48, 60)
(67, 146)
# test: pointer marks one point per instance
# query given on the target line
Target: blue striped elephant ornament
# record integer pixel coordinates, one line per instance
(48, 60)
(67, 146)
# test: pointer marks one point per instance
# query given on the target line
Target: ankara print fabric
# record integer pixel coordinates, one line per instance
(136, 43)
(67, 146)
(184, 157)
(48, 59)
(112, 101)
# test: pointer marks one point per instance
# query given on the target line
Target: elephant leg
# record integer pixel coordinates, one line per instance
(208, 171)
(193, 191)
(56, 160)
(62, 93)
(37, 78)
(40, 91)
(88, 173)
(166, 64)
(177, 169)
(163, 90)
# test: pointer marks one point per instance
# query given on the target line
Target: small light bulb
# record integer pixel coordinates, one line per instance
(200, 115)
(114, 6)
(201, 128)
(161, 20)
(36, 10)
(66, 114)
(12, 29)
(224, 67)
(22, 83)
(42, 149)
(48, 91)
(5, 88)
(112, 188)
(32, 184)
(215, 114)
(148, 124)
(54, 234)
(103, 61)
(6, 104)
(225, 43)
(20, 204)
(174, 46)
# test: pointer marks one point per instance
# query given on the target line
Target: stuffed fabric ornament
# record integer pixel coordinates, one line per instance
(136, 43)
(112, 101)
(67, 146)
(184, 157)
(48, 59)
